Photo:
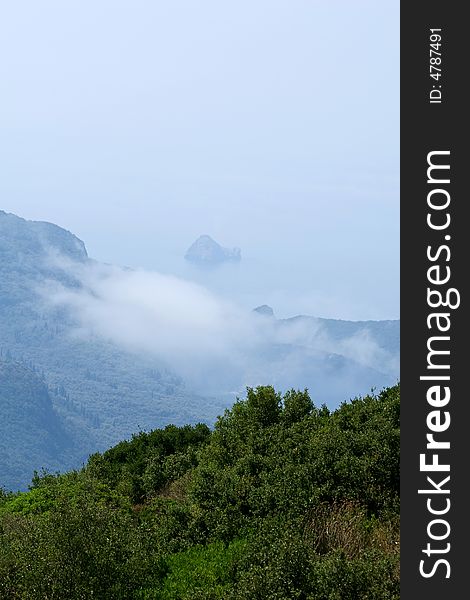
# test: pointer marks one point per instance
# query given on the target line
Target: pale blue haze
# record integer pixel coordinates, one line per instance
(270, 125)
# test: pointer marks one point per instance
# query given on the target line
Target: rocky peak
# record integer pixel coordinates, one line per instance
(264, 310)
(29, 239)
(207, 251)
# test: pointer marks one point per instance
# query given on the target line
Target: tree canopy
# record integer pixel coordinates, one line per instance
(282, 499)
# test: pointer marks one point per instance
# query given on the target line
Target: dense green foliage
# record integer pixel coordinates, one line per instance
(281, 500)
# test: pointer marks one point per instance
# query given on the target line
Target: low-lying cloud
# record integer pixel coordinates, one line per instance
(216, 345)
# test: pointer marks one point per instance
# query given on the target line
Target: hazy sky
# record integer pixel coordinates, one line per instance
(270, 125)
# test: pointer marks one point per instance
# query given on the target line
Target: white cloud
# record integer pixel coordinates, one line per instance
(213, 343)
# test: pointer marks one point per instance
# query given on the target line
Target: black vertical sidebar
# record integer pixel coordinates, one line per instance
(434, 233)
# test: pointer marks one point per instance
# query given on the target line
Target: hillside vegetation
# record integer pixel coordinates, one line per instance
(32, 433)
(282, 499)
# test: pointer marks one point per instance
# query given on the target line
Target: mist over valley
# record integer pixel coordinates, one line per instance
(109, 350)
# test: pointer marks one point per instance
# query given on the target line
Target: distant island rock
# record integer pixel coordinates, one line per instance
(264, 310)
(206, 251)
